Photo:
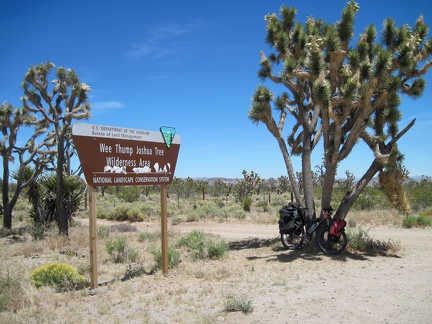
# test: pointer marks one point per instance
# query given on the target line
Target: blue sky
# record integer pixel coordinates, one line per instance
(191, 65)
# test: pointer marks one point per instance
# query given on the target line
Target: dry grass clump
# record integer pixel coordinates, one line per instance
(378, 217)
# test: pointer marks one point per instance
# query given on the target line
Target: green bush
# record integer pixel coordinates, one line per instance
(234, 211)
(119, 213)
(238, 304)
(217, 249)
(209, 211)
(370, 198)
(409, 221)
(102, 213)
(246, 203)
(59, 275)
(134, 215)
(192, 240)
(173, 257)
(117, 249)
(203, 247)
(419, 193)
(359, 240)
(129, 193)
(124, 212)
(422, 220)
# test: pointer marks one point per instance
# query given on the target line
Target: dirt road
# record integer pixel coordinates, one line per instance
(300, 286)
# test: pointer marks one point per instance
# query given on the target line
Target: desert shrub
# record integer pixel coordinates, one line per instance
(12, 295)
(203, 247)
(418, 193)
(192, 239)
(427, 213)
(220, 202)
(359, 240)
(234, 303)
(134, 215)
(37, 231)
(103, 231)
(370, 198)
(236, 213)
(217, 249)
(176, 220)
(120, 251)
(117, 249)
(102, 213)
(119, 213)
(149, 236)
(131, 255)
(264, 205)
(421, 220)
(209, 211)
(123, 228)
(193, 216)
(246, 203)
(62, 276)
(129, 193)
(149, 211)
(133, 270)
(409, 221)
(173, 257)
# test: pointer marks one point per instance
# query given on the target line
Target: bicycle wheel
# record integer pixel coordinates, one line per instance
(294, 240)
(329, 247)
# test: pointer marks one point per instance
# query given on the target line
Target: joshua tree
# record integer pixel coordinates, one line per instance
(37, 154)
(341, 91)
(59, 104)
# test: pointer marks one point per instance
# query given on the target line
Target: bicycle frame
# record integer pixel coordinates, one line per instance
(304, 228)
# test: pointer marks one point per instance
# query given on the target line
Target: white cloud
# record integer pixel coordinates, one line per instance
(100, 108)
(163, 40)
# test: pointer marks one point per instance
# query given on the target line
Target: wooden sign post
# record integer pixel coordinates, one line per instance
(164, 228)
(93, 238)
(116, 156)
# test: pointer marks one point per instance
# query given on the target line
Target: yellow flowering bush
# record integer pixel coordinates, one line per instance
(60, 275)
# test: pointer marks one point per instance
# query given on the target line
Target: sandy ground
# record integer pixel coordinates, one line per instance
(282, 286)
(299, 286)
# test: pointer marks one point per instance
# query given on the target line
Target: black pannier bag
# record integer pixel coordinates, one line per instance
(288, 215)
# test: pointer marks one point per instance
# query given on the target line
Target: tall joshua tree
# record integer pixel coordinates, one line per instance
(32, 153)
(341, 91)
(65, 100)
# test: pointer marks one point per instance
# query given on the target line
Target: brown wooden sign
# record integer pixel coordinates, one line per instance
(117, 156)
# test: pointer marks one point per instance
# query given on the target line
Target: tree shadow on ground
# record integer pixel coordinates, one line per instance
(252, 243)
(307, 252)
